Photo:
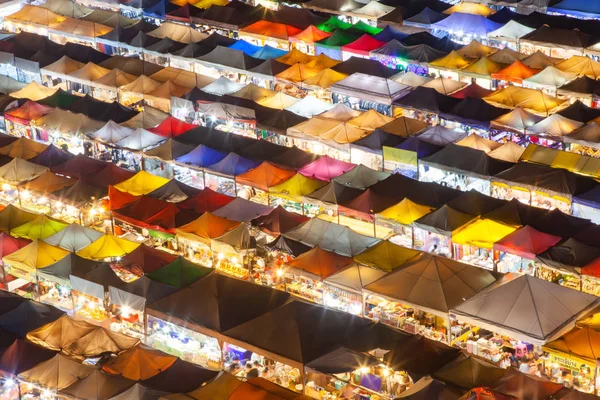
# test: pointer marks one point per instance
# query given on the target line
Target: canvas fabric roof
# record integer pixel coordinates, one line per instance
(253, 92)
(509, 152)
(12, 217)
(36, 255)
(34, 92)
(97, 385)
(372, 10)
(518, 120)
(451, 61)
(364, 66)
(555, 126)
(580, 65)
(484, 67)
(550, 77)
(325, 168)
(335, 7)
(56, 373)
(29, 111)
(99, 341)
(582, 85)
(270, 29)
(405, 212)
(224, 56)
(111, 133)
(318, 263)
(264, 176)
(562, 38)
(310, 106)
(440, 135)
(522, 312)
(63, 67)
(515, 72)
(26, 317)
(468, 372)
(530, 99)
(361, 177)
(179, 273)
(18, 171)
(174, 191)
(331, 237)
(295, 318)
(472, 90)
(582, 342)
(146, 259)
(511, 30)
(242, 210)
(363, 45)
(278, 101)
(458, 21)
(139, 363)
(478, 143)
(579, 111)
(227, 298)
(206, 200)
(58, 334)
(141, 183)
(67, 122)
(23, 148)
(66, 8)
(483, 233)
(88, 73)
(278, 221)
(39, 228)
(342, 360)
(36, 16)
(80, 27)
(107, 246)
(332, 194)
(426, 99)
(206, 227)
(177, 32)
(433, 283)
(387, 256)
(21, 356)
(370, 88)
(9, 245)
(476, 50)
(444, 221)
(222, 86)
(296, 187)
(444, 86)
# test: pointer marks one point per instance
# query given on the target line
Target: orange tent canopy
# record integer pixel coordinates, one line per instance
(271, 29)
(207, 227)
(139, 363)
(310, 35)
(29, 111)
(297, 73)
(583, 342)
(319, 262)
(264, 176)
(515, 72)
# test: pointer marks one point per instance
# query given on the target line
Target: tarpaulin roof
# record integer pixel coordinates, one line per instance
(39, 228)
(52, 156)
(420, 53)
(484, 67)
(264, 176)
(206, 200)
(434, 283)
(97, 385)
(582, 342)
(364, 66)
(373, 10)
(232, 165)
(139, 363)
(267, 52)
(30, 110)
(580, 65)
(478, 143)
(361, 177)
(80, 194)
(444, 221)
(67, 122)
(331, 237)
(23, 148)
(525, 307)
(511, 30)
(80, 27)
(509, 152)
(111, 133)
(468, 372)
(89, 72)
(336, 7)
(9, 244)
(573, 256)
(319, 263)
(515, 213)
(550, 77)
(18, 171)
(386, 256)
(470, 8)
(399, 187)
(582, 85)
(342, 360)
(245, 46)
(182, 376)
(560, 224)
(177, 32)
(179, 273)
(21, 356)
(142, 85)
(63, 67)
(440, 135)
(26, 317)
(12, 217)
(140, 139)
(474, 112)
(34, 92)
(279, 221)
(444, 86)
(58, 334)
(556, 37)
(476, 50)
(425, 17)
(223, 56)
(464, 160)
(99, 341)
(534, 100)
(428, 100)
(363, 45)
(226, 304)
(169, 150)
(73, 238)
(297, 186)
(141, 183)
(107, 246)
(516, 72)
(297, 73)
(473, 90)
(539, 60)
(56, 373)
(333, 193)
(174, 191)
(152, 213)
(518, 120)
(338, 39)
(325, 168)
(474, 24)
(370, 87)
(242, 210)
(555, 126)
(482, 233)
(304, 341)
(146, 259)
(278, 101)
(405, 212)
(310, 35)
(253, 92)
(270, 29)
(206, 227)
(587, 135)
(578, 111)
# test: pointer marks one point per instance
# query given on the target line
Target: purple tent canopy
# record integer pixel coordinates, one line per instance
(326, 168)
(422, 148)
(202, 156)
(52, 156)
(242, 210)
(461, 22)
(233, 165)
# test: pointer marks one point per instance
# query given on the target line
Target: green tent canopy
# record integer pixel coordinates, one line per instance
(180, 272)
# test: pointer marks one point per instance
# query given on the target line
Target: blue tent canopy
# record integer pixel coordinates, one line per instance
(422, 148)
(233, 165)
(579, 8)
(468, 23)
(202, 156)
(388, 33)
(591, 198)
(158, 9)
(269, 52)
(246, 47)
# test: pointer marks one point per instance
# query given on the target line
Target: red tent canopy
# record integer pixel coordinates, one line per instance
(526, 242)
(146, 259)
(111, 175)
(29, 111)
(473, 90)
(80, 166)
(171, 127)
(119, 199)
(206, 200)
(9, 244)
(363, 45)
(153, 213)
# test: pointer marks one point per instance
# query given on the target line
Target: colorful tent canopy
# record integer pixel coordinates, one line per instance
(242, 210)
(56, 373)
(545, 310)
(270, 29)
(470, 8)
(319, 263)
(12, 217)
(97, 342)
(35, 255)
(171, 127)
(555, 126)
(326, 168)
(296, 187)
(39, 228)
(264, 176)
(518, 120)
(139, 363)
(516, 72)
(206, 200)
(405, 212)
(141, 183)
(530, 99)
(21, 356)
(483, 233)
(107, 246)
(386, 256)
(278, 221)
(206, 227)
(461, 22)
(97, 385)
(179, 273)
(58, 334)
(9, 244)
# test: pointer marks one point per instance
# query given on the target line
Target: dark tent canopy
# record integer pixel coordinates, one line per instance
(232, 16)
(442, 44)
(564, 37)
(428, 99)
(420, 356)
(334, 193)
(365, 66)
(279, 221)
(60, 99)
(80, 194)
(473, 91)
(389, 33)
(164, 46)
(206, 200)
(181, 377)
(444, 220)
(145, 259)
(269, 67)
(193, 50)
(148, 289)
(110, 175)
(419, 52)
(28, 316)
(430, 194)
(51, 157)
(427, 388)
(379, 138)
(142, 40)
(278, 121)
(474, 112)
(230, 58)
(288, 246)
(569, 254)
(174, 191)
(516, 213)
(579, 112)
(294, 331)
(79, 166)
(83, 53)
(342, 360)
(527, 387)
(467, 161)
(294, 158)
(418, 146)
(425, 18)
(475, 203)
(224, 302)
(23, 355)
(582, 85)
(469, 372)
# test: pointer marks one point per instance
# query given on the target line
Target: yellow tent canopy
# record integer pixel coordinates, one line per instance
(583, 342)
(79, 27)
(114, 79)
(578, 163)
(139, 363)
(35, 255)
(370, 120)
(88, 73)
(591, 321)
(484, 67)
(530, 99)
(406, 212)
(322, 62)
(386, 256)
(178, 32)
(108, 246)
(476, 142)
(208, 3)
(253, 92)
(476, 50)
(35, 15)
(451, 61)
(297, 73)
(18, 171)
(470, 8)
(295, 56)
(296, 187)
(62, 67)
(482, 233)
(278, 101)
(40, 228)
(99, 341)
(580, 65)
(324, 79)
(34, 91)
(141, 183)
(56, 335)
(23, 148)
(141, 85)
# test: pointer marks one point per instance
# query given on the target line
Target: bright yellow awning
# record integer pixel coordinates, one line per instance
(405, 212)
(108, 246)
(40, 228)
(141, 183)
(35, 255)
(482, 233)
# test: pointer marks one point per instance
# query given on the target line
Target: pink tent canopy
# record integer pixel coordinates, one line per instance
(326, 168)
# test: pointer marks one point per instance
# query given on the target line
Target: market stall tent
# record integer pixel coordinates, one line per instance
(18, 171)
(98, 385)
(58, 334)
(297, 186)
(21, 356)
(545, 310)
(469, 372)
(325, 168)
(12, 217)
(483, 233)
(530, 99)
(387, 256)
(206, 227)
(36, 255)
(141, 183)
(107, 246)
(28, 316)
(278, 221)
(56, 373)
(179, 273)
(39, 228)
(97, 342)
(139, 363)
(518, 120)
